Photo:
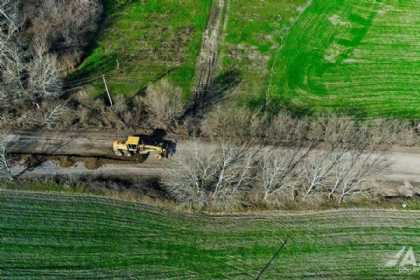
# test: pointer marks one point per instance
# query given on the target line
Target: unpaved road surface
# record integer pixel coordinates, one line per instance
(404, 163)
(52, 169)
(72, 143)
(81, 146)
(93, 144)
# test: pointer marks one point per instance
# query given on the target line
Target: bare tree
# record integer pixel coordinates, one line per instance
(44, 79)
(212, 177)
(193, 172)
(9, 13)
(317, 169)
(11, 61)
(353, 172)
(238, 125)
(164, 103)
(5, 171)
(64, 27)
(233, 170)
(284, 129)
(23, 77)
(278, 170)
(345, 160)
(28, 74)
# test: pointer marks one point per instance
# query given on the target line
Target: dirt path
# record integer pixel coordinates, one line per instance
(207, 60)
(85, 143)
(404, 166)
(93, 144)
(404, 163)
(51, 169)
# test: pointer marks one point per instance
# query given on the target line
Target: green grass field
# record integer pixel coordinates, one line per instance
(144, 41)
(253, 31)
(63, 236)
(355, 57)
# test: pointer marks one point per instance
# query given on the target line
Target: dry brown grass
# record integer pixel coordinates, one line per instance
(163, 101)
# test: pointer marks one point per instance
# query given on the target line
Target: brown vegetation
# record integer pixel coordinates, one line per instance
(274, 161)
(213, 177)
(30, 83)
(64, 27)
(5, 171)
(164, 104)
(29, 78)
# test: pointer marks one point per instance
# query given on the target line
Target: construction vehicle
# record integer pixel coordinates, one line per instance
(134, 146)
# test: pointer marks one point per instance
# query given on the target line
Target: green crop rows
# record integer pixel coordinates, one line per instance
(360, 57)
(59, 236)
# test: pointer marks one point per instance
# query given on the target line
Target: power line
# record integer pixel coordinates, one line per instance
(275, 256)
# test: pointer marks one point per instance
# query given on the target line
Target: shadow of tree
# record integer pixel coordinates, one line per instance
(218, 90)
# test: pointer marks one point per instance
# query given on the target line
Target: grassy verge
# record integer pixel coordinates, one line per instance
(134, 189)
(52, 236)
(143, 41)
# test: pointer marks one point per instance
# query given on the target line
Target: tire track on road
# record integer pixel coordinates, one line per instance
(207, 59)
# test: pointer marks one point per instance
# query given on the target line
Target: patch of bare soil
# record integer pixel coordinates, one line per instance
(65, 161)
(92, 163)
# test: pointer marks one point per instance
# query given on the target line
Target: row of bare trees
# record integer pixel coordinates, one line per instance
(237, 123)
(210, 174)
(252, 160)
(226, 176)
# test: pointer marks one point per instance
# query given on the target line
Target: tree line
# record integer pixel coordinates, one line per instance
(249, 159)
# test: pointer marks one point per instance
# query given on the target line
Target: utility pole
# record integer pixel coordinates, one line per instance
(107, 90)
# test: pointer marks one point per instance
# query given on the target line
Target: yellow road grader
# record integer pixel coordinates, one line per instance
(134, 146)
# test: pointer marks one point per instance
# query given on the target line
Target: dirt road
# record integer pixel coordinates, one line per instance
(81, 146)
(88, 143)
(404, 163)
(207, 60)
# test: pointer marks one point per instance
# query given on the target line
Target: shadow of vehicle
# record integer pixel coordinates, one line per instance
(158, 138)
